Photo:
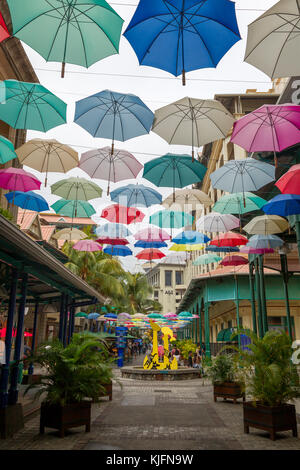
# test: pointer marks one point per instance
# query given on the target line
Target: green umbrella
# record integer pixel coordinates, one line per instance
(30, 106)
(171, 219)
(76, 188)
(73, 208)
(239, 203)
(79, 32)
(81, 315)
(7, 151)
(206, 259)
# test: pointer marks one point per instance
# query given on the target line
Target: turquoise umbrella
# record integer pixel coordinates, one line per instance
(171, 219)
(239, 203)
(30, 106)
(73, 208)
(78, 32)
(206, 259)
(7, 151)
(174, 171)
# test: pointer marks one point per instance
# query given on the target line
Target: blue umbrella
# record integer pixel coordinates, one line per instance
(190, 237)
(93, 316)
(182, 35)
(115, 116)
(112, 230)
(28, 201)
(150, 244)
(117, 250)
(222, 249)
(134, 195)
(283, 204)
(111, 315)
(265, 241)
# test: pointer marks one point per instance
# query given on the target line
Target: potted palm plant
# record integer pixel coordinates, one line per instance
(224, 374)
(73, 379)
(272, 381)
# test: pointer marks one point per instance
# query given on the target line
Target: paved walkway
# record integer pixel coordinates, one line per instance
(160, 416)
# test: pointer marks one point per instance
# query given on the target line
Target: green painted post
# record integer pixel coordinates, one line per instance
(285, 276)
(237, 304)
(297, 229)
(207, 332)
(200, 322)
(263, 293)
(258, 299)
(252, 292)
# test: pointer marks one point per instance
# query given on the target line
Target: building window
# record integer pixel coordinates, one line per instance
(156, 294)
(178, 277)
(168, 278)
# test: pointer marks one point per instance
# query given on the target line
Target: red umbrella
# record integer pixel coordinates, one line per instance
(112, 241)
(229, 239)
(234, 260)
(4, 34)
(122, 214)
(289, 182)
(3, 333)
(150, 254)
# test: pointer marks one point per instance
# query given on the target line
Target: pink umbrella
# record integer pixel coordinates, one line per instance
(268, 128)
(122, 214)
(87, 245)
(17, 179)
(255, 251)
(289, 182)
(153, 234)
(233, 260)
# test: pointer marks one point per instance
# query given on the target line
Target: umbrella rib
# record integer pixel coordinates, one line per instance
(56, 34)
(283, 46)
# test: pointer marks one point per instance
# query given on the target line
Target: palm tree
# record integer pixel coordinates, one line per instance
(137, 294)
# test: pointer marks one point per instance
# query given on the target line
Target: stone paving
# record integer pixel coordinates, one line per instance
(157, 416)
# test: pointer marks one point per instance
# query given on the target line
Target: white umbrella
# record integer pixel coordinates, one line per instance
(215, 222)
(273, 42)
(192, 121)
(70, 234)
(193, 199)
(266, 225)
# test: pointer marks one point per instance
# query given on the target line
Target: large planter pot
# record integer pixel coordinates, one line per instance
(108, 391)
(228, 390)
(65, 417)
(270, 418)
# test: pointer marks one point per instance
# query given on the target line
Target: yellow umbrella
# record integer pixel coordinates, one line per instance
(70, 234)
(266, 225)
(177, 247)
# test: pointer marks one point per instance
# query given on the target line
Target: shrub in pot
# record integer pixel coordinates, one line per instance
(224, 374)
(73, 379)
(272, 382)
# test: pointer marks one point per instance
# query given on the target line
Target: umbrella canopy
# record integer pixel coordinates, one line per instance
(76, 188)
(150, 254)
(229, 239)
(185, 315)
(238, 203)
(31, 106)
(152, 234)
(14, 333)
(255, 251)
(134, 195)
(206, 259)
(81, 315)
(178, 36)
(87, 245)
(289, 182)
(7, 150)
(284, 205)
(28, 201)
(189, 199)
(70, 234)
(234, 260)
(17, 179)
(171, 219)
(117, 250)
(93, 316)
(222, 249)
(47, 155)
(67, 31)
(265, 241)
(112, 241)
(4, 34)
(191, 121)
(266, 225)
(112, 230)
(73, 208)
(122, 214)
(102, 164)
(243, 175)
(214, 222)
(115, 116)
(190, 237)
(273, 40)
(150, 244)
(124, 315)
(186, 247)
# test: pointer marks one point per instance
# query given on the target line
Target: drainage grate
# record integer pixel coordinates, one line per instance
(164, 391)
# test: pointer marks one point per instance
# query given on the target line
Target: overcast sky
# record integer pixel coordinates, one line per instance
(155, 87)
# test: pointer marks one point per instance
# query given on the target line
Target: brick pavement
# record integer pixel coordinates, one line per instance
(157, 415)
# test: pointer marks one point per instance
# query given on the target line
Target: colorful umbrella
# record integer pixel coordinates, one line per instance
(17, 179)
(150, 244)
(7, 150)
(28, 201)
(174, 171)
(229, 239)
(47, 156)
(81, 315)
(150, 254)
(242, 175)
(188, 199)
(221, 249)
(255, 251)
(214, 222)
(179, 36)
(14, 333)
(117, 250)
(87, 245)
(115, 116)
(134, 195)
(265, 241)
(171, 219)
(238, 203)
(93, 316)
(234, 260)
(4, 34)
(73, 208)
(79, 32)
(289, 182)
(112, 241)
(152, 234)
(31, 106)
(122, 214)
(112, 230)
(284, 205)
(190, 237)
(266, 225)
(102, 164)
(70, 234)
(206, 259)
(76, 188)
(186, 247)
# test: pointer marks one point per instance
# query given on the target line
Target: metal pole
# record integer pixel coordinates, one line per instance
(252, 292)
(8, 339)
(13, 391)
(285, 277)
(200, 321)
(263, 293)
(36, 308)
(65, 321)
(258, 299)
(61, 317)
(237, 303)
(297, 229)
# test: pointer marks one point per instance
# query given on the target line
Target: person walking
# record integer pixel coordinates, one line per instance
(176, 354)
(190, 359)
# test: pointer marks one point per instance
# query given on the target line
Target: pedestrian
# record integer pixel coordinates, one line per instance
(196, 361)
(190, 359)
(177, 354)
(160, 352)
